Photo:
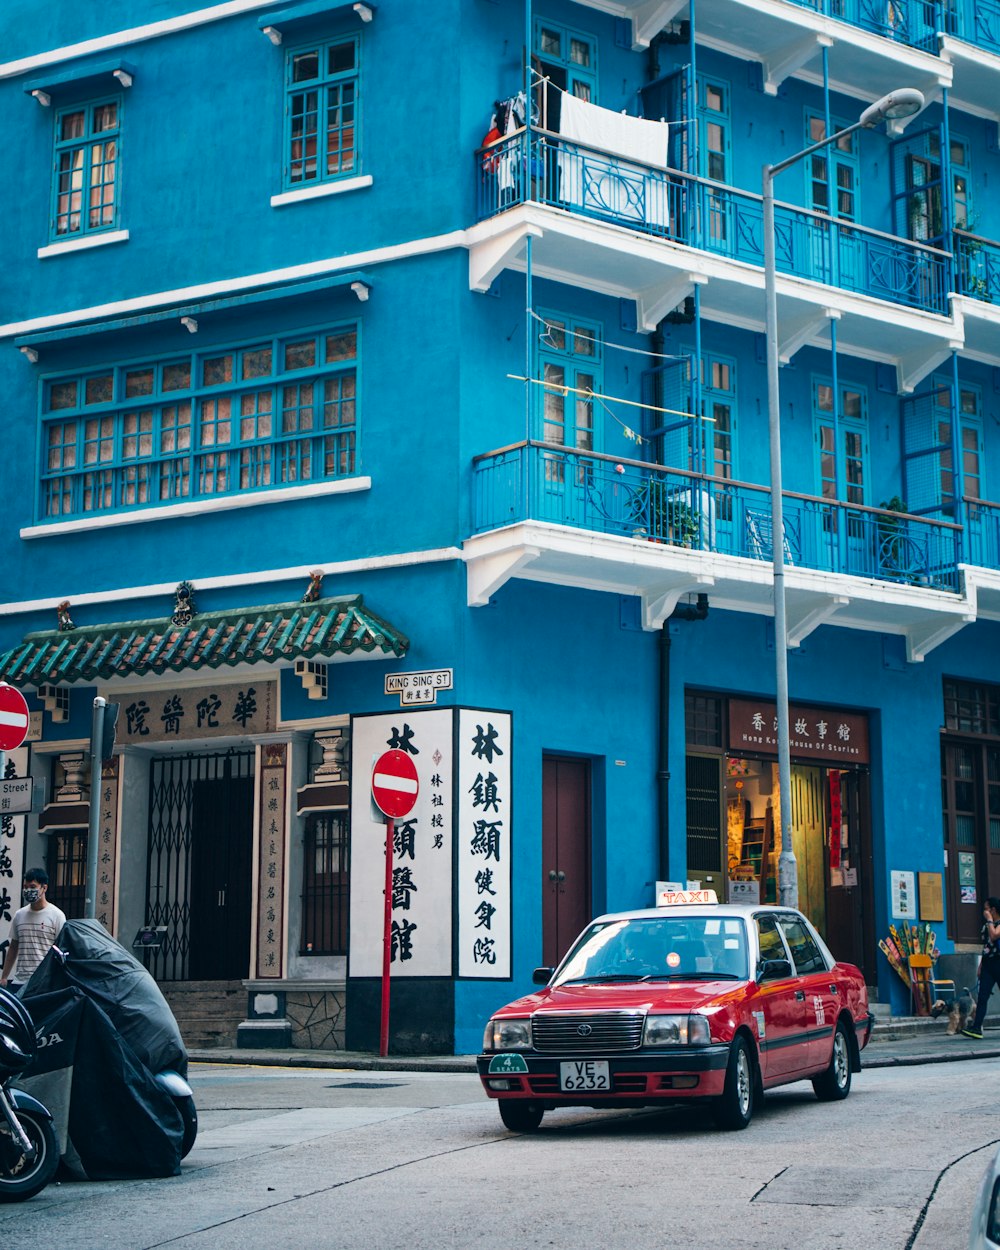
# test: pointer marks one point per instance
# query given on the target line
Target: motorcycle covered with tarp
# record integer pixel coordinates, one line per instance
(111, 1064)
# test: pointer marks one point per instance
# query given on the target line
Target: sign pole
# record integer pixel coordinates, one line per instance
(94, 813)
(390, 836)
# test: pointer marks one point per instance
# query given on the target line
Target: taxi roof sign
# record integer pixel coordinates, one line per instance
(677, 898)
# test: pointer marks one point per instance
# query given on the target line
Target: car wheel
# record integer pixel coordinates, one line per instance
(520, 1116)
(835, 1083)
(735, 1107)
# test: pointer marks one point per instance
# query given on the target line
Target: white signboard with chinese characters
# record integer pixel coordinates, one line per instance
(416, 688)
(422, 848)
(483, 827)
(223, 710)
(904, 895)
(12, 855)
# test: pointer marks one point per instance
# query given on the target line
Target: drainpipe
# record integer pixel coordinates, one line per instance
(683, 612)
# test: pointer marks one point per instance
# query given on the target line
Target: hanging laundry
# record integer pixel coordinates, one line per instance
(603, 183)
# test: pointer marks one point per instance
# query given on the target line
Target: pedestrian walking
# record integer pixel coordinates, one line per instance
(989, 966)
(35, 928)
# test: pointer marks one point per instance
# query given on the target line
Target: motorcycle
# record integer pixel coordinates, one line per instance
(29, 1150)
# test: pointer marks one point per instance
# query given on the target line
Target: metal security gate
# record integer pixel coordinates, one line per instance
(199, 876)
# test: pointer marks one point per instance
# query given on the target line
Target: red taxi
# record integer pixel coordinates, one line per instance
(694, 1000)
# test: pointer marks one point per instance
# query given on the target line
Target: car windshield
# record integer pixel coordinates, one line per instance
(659, 948)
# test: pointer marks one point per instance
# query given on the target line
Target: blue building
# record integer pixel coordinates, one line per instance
(376, 383)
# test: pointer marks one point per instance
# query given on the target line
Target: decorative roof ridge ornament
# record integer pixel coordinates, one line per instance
(184, 605)
(314, 590)
(63, 617)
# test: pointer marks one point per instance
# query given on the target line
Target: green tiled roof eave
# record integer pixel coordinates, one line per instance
(260, 635)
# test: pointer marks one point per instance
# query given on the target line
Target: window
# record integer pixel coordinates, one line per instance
(844, 465)
(272, 413)
(568, 58)
(769, 939)
(87, 163)
(67, 868)
(321, 113)
(971, 435)
(325, 883)
(806, 955)
(571, 366)
(833, 172)
(713, 130)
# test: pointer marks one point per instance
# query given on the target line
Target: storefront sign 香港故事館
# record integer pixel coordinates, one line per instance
(829, 734)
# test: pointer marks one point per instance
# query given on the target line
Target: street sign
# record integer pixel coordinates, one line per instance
(13, 718)
(420, 687)
(394, 784)
(15, 795)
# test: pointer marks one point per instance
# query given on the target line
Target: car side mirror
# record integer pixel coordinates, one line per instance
(542, 976)
(773, 969)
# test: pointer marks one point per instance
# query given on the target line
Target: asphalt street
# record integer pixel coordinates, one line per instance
(342, 1157)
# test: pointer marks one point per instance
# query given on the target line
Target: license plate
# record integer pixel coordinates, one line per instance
(589, 1074)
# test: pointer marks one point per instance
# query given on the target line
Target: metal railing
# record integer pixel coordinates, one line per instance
(536, 165)
(977, 267)
(982, 522)
(540, 481)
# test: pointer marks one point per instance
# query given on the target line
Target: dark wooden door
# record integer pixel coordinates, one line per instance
(850, 901)
(971, 789)
(566, 903)
(221, 845)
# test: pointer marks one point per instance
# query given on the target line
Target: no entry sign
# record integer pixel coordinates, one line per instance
(13, 718)
(394, 784)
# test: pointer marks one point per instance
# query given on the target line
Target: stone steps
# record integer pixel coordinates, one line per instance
(208, 1013)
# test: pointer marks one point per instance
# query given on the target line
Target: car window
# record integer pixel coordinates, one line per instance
(705, 946)
(805, 953)
(769, 939)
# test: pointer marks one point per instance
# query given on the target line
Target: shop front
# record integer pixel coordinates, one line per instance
(734, 820)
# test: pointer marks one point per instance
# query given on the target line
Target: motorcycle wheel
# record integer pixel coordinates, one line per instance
(189, 1114)
(30, 1178)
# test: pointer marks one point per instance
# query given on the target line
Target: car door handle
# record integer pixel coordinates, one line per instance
(800, 996)
(833, 989)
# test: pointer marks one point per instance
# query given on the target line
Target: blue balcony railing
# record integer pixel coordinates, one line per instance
(649, 503)
(536, 165)
(983, 524)
(975, 21)
(977, 267)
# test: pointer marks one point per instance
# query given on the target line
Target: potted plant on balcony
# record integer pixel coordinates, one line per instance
(669, 517)
(892, 545)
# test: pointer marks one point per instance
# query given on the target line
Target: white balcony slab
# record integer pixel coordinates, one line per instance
(660, 574)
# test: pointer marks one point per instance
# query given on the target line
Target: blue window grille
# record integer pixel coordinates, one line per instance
(263, 416)
(321, 112)
(87, 169)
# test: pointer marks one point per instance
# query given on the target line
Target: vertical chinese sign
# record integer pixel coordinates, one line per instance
(271, 859)
(421, 925)
(483, 823)
(107, 850)
(11, 853)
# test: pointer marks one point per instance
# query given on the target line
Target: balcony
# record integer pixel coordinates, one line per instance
(635, 231)
(558, 515)
(977, 280)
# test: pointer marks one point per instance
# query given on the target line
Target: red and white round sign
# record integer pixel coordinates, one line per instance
(13, 718)
(394, 783)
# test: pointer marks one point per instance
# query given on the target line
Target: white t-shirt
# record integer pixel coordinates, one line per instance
(34, 932)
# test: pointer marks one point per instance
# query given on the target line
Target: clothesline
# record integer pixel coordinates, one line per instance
(592, 338)
(558, 388)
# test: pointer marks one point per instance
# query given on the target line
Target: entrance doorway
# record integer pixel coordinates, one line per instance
(566, 903)
(971, 785)
(199, 865)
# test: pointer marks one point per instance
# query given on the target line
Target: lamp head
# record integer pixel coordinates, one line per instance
(903, 102)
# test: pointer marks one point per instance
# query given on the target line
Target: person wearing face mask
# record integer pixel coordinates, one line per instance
(36, 926)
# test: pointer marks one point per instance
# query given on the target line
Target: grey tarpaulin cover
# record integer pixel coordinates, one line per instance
(104, 1029)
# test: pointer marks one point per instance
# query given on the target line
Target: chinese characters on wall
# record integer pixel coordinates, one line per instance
(814, 733)
(107, 844)
(197, 712)
(11, 854)
(271, 860)
(483, 833)
(421, 922)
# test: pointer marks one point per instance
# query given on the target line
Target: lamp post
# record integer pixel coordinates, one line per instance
(901, 103)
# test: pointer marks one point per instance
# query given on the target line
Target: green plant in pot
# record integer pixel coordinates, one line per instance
(670, 517)
(891, 534)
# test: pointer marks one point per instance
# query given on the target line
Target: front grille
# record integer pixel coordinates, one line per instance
(602, 1031)
(547, 1084)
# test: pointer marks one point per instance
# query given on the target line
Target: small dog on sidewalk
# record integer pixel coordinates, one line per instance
(958, 1013)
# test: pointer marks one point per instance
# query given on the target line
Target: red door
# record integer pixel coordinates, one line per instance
(566, 905)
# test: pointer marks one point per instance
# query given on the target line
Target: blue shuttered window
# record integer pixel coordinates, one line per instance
(270, 414)
(321, 113)
(86, 177)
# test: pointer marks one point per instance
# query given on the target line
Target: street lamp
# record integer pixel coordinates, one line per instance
(902, 103)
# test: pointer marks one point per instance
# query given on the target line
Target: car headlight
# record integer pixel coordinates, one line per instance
(507, 1035)
(676, 1031)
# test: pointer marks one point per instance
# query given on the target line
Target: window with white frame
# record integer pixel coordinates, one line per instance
(275, 412)
(87, 169)
(322, 95)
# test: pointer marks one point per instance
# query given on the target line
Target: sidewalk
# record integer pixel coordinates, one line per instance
(899, 1042)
